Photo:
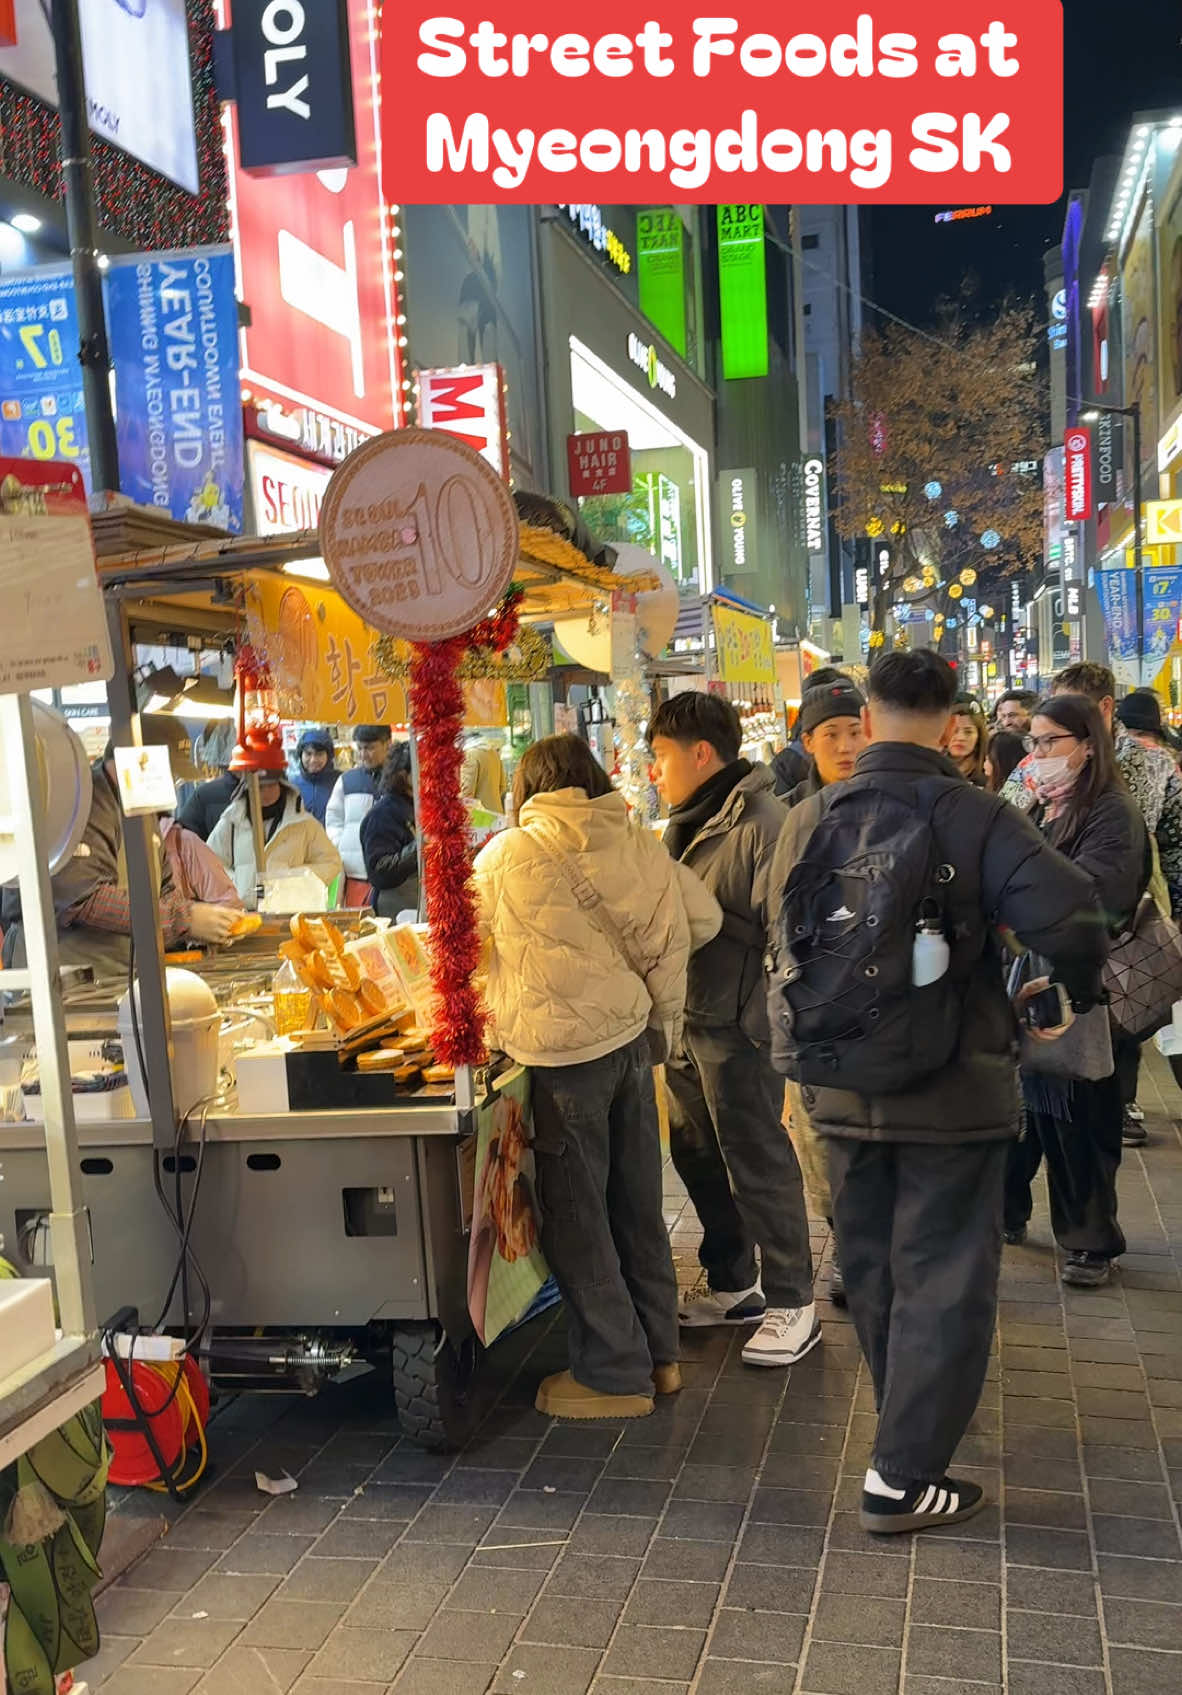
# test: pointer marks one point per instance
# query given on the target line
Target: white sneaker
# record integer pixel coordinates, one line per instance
(722, 1306)
(785, 1336)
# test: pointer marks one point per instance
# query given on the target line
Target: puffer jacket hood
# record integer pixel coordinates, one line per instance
(320, 739)
(315, 791)
(559, 990)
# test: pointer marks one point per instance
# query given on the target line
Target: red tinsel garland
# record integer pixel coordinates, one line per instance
(437, 713)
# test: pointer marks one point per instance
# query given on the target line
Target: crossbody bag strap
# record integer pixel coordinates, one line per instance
(594, 905)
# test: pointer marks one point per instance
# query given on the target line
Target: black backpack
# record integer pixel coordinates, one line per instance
(844, 1012)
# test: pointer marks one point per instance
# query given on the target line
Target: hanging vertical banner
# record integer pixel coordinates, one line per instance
(42, 413)
(1108, 457)
(1077, 444)
(742, 291)
(660, 272)
(172, 321)
(469, 403)
(1118, 602)
(1163, 607)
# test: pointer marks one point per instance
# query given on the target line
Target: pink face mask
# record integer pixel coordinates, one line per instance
(1055, 778)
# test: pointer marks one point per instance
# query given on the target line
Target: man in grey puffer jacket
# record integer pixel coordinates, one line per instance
(725, 1100)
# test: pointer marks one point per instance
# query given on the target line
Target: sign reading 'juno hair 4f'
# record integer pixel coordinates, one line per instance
(420, 534)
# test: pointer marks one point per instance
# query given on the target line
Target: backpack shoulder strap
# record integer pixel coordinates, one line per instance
(596, 908)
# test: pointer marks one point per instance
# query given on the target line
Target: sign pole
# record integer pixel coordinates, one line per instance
(78, 178)
(1138, 550)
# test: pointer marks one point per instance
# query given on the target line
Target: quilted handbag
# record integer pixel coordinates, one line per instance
(1143, 974)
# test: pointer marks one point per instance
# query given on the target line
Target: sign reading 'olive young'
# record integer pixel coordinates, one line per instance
(419, 533)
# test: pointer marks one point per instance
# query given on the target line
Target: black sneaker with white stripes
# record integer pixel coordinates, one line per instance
(891, 1509)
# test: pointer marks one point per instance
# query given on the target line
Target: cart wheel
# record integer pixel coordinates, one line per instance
(434, 1384)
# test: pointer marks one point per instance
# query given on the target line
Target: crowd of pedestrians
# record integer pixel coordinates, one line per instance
(831, 961)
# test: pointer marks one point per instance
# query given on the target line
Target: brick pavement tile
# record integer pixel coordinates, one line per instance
(564, 1472)
(945, 1686)
(654, 1651)
(1046, 1509)
(791, 1506)
(225, 1597)
(1113, 1403)
(866, 1574)
(1036, 1590)
(967, 1562)
(858, 1619)
(1165, 1393)
(780, 1545)
(1056, 1385)
(832, 1410)
(217, 1530)
(654, 1465)
(487, 1589)
(462, 1525)
(570, 1622)
(804, 1439)
(604, 1533)
(262, 1555)
(327, 1580)
(771, 1589)
(715, 1483)
(467, 1636)
(1143, 1671)
(152, 1680)
(244, 1668)
(975, 1655)
(1140, 1580)
(442, 1677)
(1026, 1335)
(637, 1686)
(186, 1642)
(1133, 1464)
(1118, 1432)
(834, 1668)
(597, 1577)
(1094, 1350)
(534, 1509)
(1029, 1471)
(1143, 1624)
(740, 1677)
(1041, 1636)
(411, 1465)
(629, 1497)
(422, 1562)
(358, 1539)
(666, 1601)
(975, 1606)
(541, 1669)
(1063, 1550)
(293, 1624)
(1024, 1410)
(176, 1570)
(1017, 1358)
(579, 1441)
(1043, 1443)
(498, 1453)
(1147, 1538)
(699, 1562)
(1139, 1500)
(768, 1636)
(702, 1521)
(126, 1611)
(1098, 1375)
(402, 1606)
(519, 1547)
(476, 1487)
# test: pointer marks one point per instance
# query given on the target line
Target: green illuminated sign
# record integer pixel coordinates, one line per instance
(742, 291)
(660, 273)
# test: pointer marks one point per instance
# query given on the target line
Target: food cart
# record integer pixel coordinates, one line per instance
(333, 1228)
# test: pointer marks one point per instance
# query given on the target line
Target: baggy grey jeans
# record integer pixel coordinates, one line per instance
(597, 1148)
(731, 1152)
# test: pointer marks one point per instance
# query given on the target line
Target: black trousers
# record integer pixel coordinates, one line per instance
(919, 1231)
(732, 1152)
(1083, 1157)
(597, 1148)
(1126, 1056)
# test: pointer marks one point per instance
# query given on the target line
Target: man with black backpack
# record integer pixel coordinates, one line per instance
(888, 1004)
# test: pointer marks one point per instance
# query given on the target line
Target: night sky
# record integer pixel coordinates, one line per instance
(1122, 57)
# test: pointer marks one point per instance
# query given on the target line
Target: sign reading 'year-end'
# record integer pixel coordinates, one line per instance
(419, 533)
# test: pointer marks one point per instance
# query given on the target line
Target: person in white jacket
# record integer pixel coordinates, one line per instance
(588, 927)
(353, 797)
(291, 837)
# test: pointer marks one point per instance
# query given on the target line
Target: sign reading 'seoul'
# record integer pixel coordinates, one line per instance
(419, 533)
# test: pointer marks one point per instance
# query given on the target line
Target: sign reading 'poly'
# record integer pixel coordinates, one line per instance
(468, 403)
(293, 86)
(1077, 444)
(599, 463)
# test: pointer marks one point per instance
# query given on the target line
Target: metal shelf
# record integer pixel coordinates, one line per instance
(47, 1392)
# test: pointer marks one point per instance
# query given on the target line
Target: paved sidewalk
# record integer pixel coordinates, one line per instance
(712, 1549)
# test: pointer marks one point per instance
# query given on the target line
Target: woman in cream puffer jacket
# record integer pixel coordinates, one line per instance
(561, 899)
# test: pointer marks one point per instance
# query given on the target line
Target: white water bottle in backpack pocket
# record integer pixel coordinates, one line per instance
(930, 954)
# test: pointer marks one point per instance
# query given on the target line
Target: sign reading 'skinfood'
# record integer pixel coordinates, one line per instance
(293, 86)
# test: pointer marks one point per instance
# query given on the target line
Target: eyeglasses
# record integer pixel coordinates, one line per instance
(1044, 744)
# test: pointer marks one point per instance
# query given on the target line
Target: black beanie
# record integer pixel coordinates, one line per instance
(835, 700)
(1140, 710)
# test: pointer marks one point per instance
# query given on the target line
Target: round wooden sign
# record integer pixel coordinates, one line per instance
(419, 534)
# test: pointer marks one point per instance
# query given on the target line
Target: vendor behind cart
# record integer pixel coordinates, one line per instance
(91, 900)
(291, 837)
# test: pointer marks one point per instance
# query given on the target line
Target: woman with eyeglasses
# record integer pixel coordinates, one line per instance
(1085, 810)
